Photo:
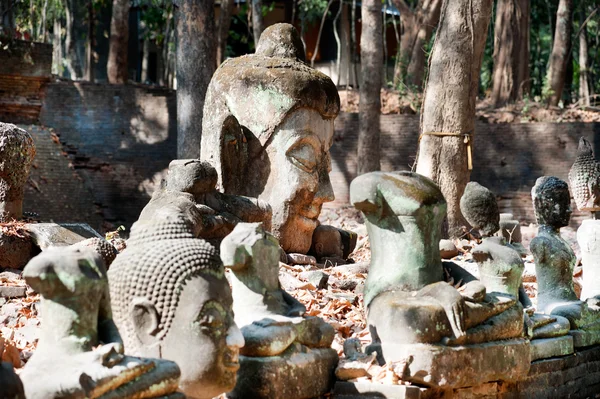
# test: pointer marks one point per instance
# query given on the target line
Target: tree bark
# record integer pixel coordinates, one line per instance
(8, 17)
(584, 85)
(560, 51)
(524, 77)
(314, 56)
(72, 14)
(89, 51)
(448, 111)
(119, 42)
(57, 47)
(196, 53)
(507, 52)
(257, 20)
(145, 59)
(371, 48)
(224, 24)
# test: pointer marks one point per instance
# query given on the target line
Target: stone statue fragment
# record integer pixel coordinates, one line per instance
(171, 300)
(80, 351)
(278, 335)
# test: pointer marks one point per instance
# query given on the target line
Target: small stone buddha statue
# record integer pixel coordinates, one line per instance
(267, 129)
(413, 314)
(80, 351)
(171, 300)
(555, 261)
(501, 266)
(190, 190)
(277, 334)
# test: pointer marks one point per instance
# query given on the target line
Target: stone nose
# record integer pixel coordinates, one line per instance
(325, 190)
(234, 337)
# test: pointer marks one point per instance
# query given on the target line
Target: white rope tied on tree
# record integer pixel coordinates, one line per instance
(467, 141)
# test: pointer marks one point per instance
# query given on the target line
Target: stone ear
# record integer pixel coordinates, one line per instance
(319, 248)
(145, 320)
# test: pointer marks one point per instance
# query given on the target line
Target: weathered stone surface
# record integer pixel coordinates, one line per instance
(546, 326)
(368, 390)
(318, 278)
(79, 353)
(312, 372)
(447, 249)
(16, 155)
(171, 299)
(8, 291)
(280, 154)
(585, 338)
(15, 250)
(300, 259)
(479, 207)
(551, 347)
(584, 178)
(331, 243)
(461, 366)
(45, 235)
(588, 237)
(106, 250)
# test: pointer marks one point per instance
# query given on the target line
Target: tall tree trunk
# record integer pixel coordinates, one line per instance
(371, 49)
(41, 33)
(7, 17)
(224, 24)
(314, 56)
(448, 111)
(524, 77)
(353, 57)
(72, 55)
(90, 64)
(560, 51)
(196, 52)
(506, 52)
(336, 34)
(584, 86)
(257, 20)
(57, 47)
(428, 18)
(166, 57)
(119, 41)
(145, 58)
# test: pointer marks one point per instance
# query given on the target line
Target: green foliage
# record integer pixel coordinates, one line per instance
(311, 11)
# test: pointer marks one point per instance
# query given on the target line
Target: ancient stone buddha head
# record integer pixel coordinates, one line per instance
(268, 128)
(171, 300)
(551, 202)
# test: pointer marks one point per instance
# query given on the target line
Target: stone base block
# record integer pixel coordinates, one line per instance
(460, 366)
(546, 348)
(369, 390)
(583, 338)
(295, 375)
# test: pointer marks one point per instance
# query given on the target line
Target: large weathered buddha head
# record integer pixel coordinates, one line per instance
(171, 300)
(551, 201)
(267, 129)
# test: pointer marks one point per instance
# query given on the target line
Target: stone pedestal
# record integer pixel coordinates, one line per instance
(588, 237)
(584, 338)
(546, 348)
(293, 375)
(460, 366)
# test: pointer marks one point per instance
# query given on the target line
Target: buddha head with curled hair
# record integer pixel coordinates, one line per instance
(267, 129)
(171, 300)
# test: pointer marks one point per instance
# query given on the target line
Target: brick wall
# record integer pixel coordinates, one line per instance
(119, 139)
(507, 158)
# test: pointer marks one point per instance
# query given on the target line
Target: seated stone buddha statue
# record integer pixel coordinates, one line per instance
(268, 128)
(277, 334)
(80, 351)
(413, 314)
(555, 261)
(171, 300)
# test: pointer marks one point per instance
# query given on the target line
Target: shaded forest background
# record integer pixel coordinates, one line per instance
(536, 51)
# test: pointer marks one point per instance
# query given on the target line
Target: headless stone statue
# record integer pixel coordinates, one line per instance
(68, 363)
(190, 190)
(171, 300)
(267, 129)
(276, 332)
(555, 261)
(415, 316)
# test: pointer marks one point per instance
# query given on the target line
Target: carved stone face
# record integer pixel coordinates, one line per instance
(204, 340)
(299, 181)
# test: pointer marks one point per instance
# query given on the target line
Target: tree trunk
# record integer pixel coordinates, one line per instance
(57, 47)
(429, 18)
(314, 56)
(145, 58)
(524, 77)
(90, 64)
(507, 49)
(336, 34)
(196, 53)
(448, 111)
(224, 24)
(584, 86)
(119, 41)
(257, 20)
(72, 56)
(560, 51)
(166, 55)
(371, 48)
(353, 56)
(7, 17)
(42, 34)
